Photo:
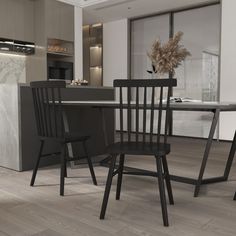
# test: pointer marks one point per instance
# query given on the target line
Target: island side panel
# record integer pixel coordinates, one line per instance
(82, 120)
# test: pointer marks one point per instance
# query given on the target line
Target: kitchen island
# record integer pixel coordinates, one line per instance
(25, 142)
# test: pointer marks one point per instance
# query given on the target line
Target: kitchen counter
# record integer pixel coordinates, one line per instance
(74, 86)
(23, 141)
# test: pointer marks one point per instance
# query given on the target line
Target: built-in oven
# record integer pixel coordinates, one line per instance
(60, 70)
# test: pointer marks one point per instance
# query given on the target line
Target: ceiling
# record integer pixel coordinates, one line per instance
(110, 10)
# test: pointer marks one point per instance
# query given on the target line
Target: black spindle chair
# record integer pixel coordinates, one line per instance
(50, 126)
(151, 143)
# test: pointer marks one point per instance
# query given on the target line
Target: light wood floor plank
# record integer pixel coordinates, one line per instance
(40, 211)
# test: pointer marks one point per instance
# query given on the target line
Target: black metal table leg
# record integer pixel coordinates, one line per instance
(196, 182)
(104, 127)
(207, 151)
(69, 145)
(230, 158)
(104, 161)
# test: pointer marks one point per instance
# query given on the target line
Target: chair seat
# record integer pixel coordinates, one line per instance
(140, 148)
(75, 137)
(69, 138)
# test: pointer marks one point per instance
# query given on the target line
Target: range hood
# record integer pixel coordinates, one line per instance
(16, 46)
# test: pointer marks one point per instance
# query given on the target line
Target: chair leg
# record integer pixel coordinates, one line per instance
(37, 163)
(108, 187)
(167, 179)
(162, 191)
(67, 155)
(62, 175)
(120, 175)
(90, 164)
(65, 171)
(235, 196)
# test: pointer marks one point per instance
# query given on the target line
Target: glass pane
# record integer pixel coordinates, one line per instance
(198, 76)
(143, 33)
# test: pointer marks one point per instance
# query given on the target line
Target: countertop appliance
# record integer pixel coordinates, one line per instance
(60, 70)
(16, 46)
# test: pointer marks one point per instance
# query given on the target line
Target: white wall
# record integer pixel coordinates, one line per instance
(115, 51)
(228, 63)
(115, 54)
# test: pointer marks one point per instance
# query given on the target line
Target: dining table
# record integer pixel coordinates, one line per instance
(213, 107)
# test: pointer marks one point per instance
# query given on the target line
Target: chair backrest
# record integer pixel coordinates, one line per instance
(48, 108)
(150, 97)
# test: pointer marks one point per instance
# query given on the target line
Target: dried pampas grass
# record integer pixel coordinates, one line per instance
(165, 58)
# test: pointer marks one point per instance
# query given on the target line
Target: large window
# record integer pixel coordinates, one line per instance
(143, 33)
(198, 76)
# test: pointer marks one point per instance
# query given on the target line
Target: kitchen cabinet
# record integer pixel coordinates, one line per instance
(67, 22)
(59, 20)
(17, 20)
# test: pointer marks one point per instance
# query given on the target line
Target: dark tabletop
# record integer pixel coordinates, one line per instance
(181, 106)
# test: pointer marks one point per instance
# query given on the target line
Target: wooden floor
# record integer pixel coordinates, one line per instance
(40, 211)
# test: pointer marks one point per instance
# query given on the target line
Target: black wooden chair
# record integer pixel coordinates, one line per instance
(50, 126)
(144, 144)
(235, 196)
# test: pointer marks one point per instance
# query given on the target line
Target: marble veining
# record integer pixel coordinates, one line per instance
(12, 72)
(12, 68)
